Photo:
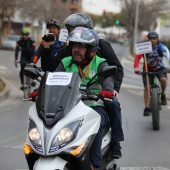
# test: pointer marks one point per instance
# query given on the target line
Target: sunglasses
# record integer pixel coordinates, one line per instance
(25, 34)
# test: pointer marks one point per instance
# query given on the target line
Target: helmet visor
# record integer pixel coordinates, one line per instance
(83, 36)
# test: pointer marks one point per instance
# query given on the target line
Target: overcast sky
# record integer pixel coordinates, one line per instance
(97, 6)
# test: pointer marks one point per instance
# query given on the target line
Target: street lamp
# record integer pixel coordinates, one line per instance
(136, 25)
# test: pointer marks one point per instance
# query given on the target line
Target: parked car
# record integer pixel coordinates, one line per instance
(9, 42)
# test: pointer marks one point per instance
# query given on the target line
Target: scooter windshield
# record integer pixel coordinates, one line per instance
(58, 93)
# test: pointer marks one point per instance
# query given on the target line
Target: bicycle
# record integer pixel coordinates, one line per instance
(155, 97)
(27, 84)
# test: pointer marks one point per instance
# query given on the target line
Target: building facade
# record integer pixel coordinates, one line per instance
(14, 24)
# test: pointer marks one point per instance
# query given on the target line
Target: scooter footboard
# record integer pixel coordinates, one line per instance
(50, 163)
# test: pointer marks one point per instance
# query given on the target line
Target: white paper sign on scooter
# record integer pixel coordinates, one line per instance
(59, 78)
(142, 48)
(63, 35)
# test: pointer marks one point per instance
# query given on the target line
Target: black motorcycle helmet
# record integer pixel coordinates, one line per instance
(53, 22)
(152, 34)
(85, 36)
(78, 20)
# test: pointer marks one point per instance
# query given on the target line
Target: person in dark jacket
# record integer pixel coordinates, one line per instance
(53, 27)
(105, 50)
(50, 63)
(27, 46)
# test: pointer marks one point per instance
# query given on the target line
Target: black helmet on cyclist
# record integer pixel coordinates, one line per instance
(53, 22)
(87, 37)
(78, 20)
(152, 34)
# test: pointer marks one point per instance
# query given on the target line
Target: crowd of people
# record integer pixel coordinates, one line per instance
(85, 52)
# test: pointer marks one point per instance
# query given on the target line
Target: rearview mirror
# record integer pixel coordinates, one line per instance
(32, 72)
(106, 72)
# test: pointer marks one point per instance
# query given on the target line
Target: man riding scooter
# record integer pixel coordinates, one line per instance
(84, 43)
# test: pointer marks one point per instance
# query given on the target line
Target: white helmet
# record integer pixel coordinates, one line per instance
(85, 36)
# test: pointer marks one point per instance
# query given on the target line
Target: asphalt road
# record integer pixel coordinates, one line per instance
(143, 148)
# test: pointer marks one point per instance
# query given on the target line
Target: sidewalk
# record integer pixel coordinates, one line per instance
(4, 94)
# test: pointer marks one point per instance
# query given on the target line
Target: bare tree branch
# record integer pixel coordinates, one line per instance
(149, 11)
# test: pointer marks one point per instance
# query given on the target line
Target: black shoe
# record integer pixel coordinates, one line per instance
(163, 99)
(33, 83)
(22, 87)
(146, 111)
(116, 151)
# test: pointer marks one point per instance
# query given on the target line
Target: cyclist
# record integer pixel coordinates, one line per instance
(27, 46)
(50, 63)
(154, 63)
(53, 27)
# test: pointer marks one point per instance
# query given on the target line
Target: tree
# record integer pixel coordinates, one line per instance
(44, 10)
(39, 10)
(7, 9)
(149, 11)
(107, 20)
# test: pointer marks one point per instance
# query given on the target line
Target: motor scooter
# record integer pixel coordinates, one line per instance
(61, 128)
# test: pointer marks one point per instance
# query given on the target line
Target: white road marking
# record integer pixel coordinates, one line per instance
(139, 93)
(143, 168)
(3, 68)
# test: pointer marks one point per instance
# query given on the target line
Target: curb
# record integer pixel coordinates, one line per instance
(5, 92)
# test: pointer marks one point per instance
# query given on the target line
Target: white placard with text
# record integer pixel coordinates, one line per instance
(142, 48)
(59, 78)
(63, 35)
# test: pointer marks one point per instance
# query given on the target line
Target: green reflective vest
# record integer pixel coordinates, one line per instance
(87, 73)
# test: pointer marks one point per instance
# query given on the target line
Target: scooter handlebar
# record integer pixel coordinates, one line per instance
(95, 97)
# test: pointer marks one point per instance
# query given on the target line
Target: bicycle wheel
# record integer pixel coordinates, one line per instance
(155, 107)
(27, 87)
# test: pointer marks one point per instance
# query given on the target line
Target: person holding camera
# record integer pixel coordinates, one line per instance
(53, 27)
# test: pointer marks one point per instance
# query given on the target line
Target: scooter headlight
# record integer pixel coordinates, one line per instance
(65, 136)
(34, 135)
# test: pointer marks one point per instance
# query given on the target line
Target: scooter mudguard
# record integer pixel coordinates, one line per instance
(50, 163)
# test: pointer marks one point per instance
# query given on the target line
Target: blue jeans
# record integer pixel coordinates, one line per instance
(113, 111)
(95, 150)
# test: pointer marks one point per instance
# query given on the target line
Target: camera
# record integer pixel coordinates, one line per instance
(48, 37)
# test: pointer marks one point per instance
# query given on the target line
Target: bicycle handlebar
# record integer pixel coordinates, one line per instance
(154, 72)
